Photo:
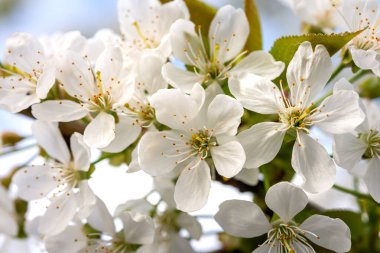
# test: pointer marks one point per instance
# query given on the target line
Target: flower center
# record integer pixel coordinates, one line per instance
(295, 117)
(205, 60)
(372, 139)
(143, 113)
(285, 237)
(202, 141)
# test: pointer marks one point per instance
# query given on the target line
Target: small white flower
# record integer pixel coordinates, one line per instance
(228, 34)
(138, 229)
(145, 24)
(245, 219)
(31, 74)
(201, 129)
(364, 48)
(307, 75)
(362, 148)
(320, 14)
(59, 179)
(98, 91)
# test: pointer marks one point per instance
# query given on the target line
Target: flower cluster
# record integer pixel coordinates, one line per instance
(191, 106)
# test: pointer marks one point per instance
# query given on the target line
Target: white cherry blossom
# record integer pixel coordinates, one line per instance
(365, 48)
(145, 24)
(307, 74)
(201, 128)
(138, 229)
(60, 179)
(361, 149)
(101, 91)
(31, 74)
(245, 219)
(321, 14)
(223, 58)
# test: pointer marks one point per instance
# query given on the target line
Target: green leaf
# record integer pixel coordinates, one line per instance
(200, 13)
(254, 41)
(284, 48)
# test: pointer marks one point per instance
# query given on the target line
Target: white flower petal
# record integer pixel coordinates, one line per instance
(17, 95)
(179, 244)
(100, 132)
(308, 73)
(261, 143)
(185, 42)
(193, 187)
(109, 65)
(50, 139)
(174, 108)
(333, 234)
(59, 111)
(34, 182)
(242, 219)
(311, 161)
(190, 224)
(5, 202)
(45, 81)
(81, 152)
(148, 70)
(58, 215)
(228, 158)
(139, 229)
(259, 63)
(248, 176)
(179, 78)
(165, 187)
(157, 154)
(8, 224)
(86, 200)
(126, 133)
(348, 150)
(224, 115)
(256, 94)
(342, 84)
(286, 199)
(228, 33)
(137, 205)
(372, 178)
(100, 218)
(339, 113)
(73, 70)
(364, 59)
(71, 240)
(24, 52)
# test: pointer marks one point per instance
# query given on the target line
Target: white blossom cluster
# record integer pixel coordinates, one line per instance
(176, 98)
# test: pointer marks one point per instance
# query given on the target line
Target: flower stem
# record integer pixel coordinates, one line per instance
(17, 149)
(104, 156)
(358, 75)
(354, 193)
(337, 71)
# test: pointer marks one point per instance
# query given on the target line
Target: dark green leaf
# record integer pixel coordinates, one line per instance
(285, 47)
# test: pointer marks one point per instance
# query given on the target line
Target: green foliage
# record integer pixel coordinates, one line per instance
(285, 47)
(254, 41)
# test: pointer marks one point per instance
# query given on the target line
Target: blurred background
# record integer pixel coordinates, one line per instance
(114, 185)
